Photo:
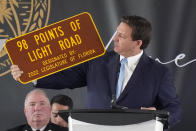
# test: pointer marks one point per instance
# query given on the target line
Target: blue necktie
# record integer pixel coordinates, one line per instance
(121, 77)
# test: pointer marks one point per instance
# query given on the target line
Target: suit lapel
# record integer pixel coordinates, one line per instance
(48, 127)
(27, 128)
(135, 76)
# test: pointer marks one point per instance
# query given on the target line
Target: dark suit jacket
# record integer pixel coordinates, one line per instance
(49, 127)
(151, 84)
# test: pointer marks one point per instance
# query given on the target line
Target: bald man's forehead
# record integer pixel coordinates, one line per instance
(37, 97)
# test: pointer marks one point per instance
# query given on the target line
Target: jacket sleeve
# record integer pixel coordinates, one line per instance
(168, 99)
(70, 78)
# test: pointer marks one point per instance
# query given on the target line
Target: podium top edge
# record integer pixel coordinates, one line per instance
(152, 112)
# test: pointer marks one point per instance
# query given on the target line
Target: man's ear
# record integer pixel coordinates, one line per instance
(139, 43)
(25, 111)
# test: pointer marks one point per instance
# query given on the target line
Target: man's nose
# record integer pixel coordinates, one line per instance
(116, 37)
(37, 107)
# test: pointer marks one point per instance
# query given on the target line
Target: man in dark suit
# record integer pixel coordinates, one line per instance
(125, 76)
(37, 111)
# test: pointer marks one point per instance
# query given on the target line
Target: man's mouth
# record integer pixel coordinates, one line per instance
(116, 43)
(38, 114)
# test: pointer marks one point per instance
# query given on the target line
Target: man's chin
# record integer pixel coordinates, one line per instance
(116, 50)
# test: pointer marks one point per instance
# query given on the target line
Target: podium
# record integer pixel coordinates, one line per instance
(115, 120)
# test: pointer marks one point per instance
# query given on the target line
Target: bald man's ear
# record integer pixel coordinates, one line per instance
(25, 111)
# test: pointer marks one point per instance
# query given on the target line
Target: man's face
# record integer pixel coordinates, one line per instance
(123, 43)
(37, 110)
(55, 118)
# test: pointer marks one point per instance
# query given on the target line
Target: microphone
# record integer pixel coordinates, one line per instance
(113, 101)
(114, 105)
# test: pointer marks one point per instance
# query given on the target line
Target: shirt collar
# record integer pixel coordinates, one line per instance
(132, 60)
(39, 129)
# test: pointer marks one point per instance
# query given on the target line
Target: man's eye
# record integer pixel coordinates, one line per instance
(32, 104)
(42, 103)
(121, 35)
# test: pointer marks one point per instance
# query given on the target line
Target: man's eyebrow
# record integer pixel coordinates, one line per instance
(32, 102)
(121, 32)
(43, 101)
(38, 101)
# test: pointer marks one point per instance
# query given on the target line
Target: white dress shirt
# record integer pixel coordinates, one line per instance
(130, 67)
(42, 129)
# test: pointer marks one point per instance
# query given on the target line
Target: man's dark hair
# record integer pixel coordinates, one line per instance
(62, 100)
(141, 27)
